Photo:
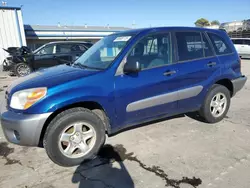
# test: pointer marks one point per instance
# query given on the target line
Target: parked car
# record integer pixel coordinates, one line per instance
(23, 61)
(123, 80)
(242, 46)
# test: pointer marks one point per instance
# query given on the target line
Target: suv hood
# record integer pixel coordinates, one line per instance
(19, 54)
(18, 51)
(50, 77)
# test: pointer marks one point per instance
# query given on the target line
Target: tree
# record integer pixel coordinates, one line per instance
(215, 22)
(202, 22)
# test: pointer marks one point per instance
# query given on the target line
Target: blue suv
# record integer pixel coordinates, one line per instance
(125, 79)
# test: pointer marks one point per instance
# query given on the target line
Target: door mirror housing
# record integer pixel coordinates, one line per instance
(131, 67)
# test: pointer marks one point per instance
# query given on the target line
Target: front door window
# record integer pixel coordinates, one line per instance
(152, 51)
(47, 50)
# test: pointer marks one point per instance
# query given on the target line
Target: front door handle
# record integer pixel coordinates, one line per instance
(169, 73)
(211, 64)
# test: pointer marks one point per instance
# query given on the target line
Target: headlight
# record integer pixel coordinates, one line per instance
(24, 99)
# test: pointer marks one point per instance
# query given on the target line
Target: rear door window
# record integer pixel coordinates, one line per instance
(189, 45)
(207, 47)
(220, 45)
(63, 48)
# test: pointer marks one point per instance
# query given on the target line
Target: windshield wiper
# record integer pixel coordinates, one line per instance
(86, 67)
(77, 64)
(95, 68)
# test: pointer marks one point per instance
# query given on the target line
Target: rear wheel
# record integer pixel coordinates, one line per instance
(22, 69)
(216, 104)
(74, 136)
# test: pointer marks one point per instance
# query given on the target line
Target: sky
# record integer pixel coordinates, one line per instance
(143, 13)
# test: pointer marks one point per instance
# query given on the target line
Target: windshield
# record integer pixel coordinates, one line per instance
(102, 53)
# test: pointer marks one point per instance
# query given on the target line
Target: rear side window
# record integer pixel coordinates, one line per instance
(207, 47)
(220, 45)
(189, 45)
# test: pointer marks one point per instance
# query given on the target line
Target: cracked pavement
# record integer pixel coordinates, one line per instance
(178, 152)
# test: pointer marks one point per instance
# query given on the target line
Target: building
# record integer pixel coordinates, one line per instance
(236, 26)
(37, 35)
(13, 33)
(237, 29)
(11, 29)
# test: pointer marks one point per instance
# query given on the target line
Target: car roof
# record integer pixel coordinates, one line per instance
(179, 28)
(240, 38)
(67, 42)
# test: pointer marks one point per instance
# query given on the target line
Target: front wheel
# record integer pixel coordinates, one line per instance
(74, 136)
(216, 104)
(22, 69)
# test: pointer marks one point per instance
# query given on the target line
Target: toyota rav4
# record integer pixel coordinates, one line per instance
(124, 80)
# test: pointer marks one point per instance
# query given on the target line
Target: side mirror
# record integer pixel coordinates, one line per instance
(131, 67)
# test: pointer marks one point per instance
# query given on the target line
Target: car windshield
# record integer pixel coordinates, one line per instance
(102, 53)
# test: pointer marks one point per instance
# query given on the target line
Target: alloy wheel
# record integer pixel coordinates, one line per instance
(23, 70)
(218, 105)
(77, 140)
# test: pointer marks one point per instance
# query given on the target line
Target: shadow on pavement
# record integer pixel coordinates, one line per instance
(195, 116)
(108, 171)
(103, 172)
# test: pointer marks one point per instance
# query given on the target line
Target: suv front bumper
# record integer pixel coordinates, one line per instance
(238, 84)
(23, 129)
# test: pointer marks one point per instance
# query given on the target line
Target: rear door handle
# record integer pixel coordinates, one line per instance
(211, 64)
(169, 73)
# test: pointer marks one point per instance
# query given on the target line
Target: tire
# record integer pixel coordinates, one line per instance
(22, 69)
(101, 114)
(75, 116)
(207, 107)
